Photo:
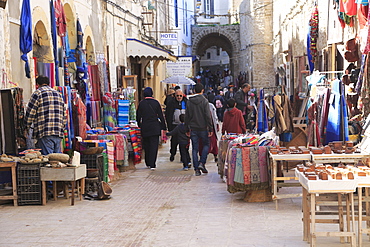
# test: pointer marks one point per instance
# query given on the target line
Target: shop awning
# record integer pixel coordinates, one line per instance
(137, 48)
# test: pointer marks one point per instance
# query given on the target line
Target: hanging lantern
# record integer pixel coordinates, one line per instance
(3, 4)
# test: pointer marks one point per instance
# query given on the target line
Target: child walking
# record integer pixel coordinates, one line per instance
(183, 141)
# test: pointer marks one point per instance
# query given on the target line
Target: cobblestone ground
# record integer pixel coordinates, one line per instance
(166, 207)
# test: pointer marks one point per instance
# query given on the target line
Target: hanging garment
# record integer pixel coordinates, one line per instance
(61, 22)
(262, 114)
(55, 42)
(95, 84)
(349, 7)
(323, 117)
(344, 114)
(334, 116)
(25, 35)
(283, 112)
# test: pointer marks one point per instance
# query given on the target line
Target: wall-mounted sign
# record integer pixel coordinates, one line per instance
(169, 39)
(183, 67)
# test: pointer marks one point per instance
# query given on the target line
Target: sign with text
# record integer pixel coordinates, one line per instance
(169, 39)
(183, 67)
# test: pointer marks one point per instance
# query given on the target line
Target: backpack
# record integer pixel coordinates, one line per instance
(218, 104)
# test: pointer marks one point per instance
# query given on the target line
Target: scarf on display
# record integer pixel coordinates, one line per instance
(69, 131)
(248, 168)
(232, 165)
(239, 175)
(136, 144)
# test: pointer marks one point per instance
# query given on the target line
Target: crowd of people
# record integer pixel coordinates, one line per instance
(196, 118)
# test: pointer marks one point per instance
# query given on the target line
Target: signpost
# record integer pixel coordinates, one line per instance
(183, 67)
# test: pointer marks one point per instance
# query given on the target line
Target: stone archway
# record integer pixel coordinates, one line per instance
(42, 46)
(90, 54)
(71, 26)
(226, 37)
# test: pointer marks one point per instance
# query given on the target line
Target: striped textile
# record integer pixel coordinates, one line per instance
(255, 169)
(246, 165)
(239, 175)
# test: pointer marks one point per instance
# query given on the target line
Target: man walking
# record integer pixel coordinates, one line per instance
(198, 124)
(242, 103)
(176, 107)
(45, 111)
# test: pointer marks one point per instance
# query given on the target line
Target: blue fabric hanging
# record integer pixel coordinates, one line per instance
(79, 35)
(309, 55)
(334, 117)
(25, 42)
(344, 114)
(262, 125)
(54, 38)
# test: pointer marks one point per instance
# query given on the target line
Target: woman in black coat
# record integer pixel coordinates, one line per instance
(149, 117)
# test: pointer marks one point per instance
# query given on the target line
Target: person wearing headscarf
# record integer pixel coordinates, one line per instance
(149, 117)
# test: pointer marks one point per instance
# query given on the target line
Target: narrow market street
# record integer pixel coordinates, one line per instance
(166, 207)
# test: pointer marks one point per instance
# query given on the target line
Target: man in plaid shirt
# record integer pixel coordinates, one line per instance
(46, 112)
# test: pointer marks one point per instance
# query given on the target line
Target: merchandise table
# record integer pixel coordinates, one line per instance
(312, 189)
(337, 158)
(12, 166)
(75, 175)
(361, 230)
(285, 157)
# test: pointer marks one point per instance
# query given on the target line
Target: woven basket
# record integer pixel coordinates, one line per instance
(104, 190)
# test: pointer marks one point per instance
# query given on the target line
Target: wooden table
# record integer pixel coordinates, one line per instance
(285, 157)
(309, 204)
(363, 184)
(75, 175)
(12, 166)
(337, 158)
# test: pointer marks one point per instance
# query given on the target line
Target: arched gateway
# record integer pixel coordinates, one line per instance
(227, 37)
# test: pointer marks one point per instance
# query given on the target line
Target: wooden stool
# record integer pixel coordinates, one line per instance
(309, 204)
(12, 166)
(75, 175)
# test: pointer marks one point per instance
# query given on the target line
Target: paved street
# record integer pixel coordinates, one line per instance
(166, 207)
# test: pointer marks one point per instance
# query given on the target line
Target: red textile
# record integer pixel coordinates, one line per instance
(233, 122)
(120, 146)
(362, 15)
(349, 7)
(246, 162)
(60, 18)
(81, 118)
(95, 84)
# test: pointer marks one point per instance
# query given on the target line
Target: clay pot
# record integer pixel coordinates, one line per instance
(327, 150)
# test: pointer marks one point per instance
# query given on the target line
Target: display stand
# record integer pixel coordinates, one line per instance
(338, 158)
(12, 166)
(75, 175)
(362, 230)
(285, 157)
(311, 189)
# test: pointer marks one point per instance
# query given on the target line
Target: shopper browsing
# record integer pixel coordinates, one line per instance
(243, 104)
(233, 119)
(45, 111)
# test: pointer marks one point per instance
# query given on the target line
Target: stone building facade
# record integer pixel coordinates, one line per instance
(107, 27)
